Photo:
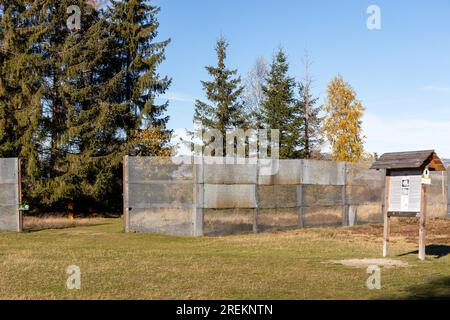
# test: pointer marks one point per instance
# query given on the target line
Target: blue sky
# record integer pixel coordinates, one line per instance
(401, 72)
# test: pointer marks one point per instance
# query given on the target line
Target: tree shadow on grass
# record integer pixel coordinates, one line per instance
(438, 251)
(39, 229)
(434, 290)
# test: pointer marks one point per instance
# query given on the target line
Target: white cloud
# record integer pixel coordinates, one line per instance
(440, 89)
(179, 97)
(396, 134)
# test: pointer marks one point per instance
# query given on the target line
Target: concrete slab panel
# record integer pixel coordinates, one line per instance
(229, 196)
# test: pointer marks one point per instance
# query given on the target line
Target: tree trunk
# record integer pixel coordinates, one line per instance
(70, 212)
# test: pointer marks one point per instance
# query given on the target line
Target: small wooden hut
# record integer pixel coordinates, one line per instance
(406, 191)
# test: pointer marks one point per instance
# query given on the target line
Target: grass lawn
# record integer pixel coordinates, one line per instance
(281, 265)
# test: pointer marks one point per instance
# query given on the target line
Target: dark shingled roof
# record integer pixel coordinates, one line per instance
(409, 160)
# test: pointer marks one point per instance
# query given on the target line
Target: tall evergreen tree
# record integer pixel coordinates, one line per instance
(20, 81)
(46, 187)
(107, 83)
(278, 110)
(92, 145)
(53, 178)
(21, 84)
(224, 91)
(137, 56)
(84, 98)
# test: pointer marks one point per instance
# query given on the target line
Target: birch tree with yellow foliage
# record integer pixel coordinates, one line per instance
(343, 124)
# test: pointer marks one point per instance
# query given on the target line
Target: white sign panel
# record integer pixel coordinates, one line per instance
(405, 194)
(404, 203)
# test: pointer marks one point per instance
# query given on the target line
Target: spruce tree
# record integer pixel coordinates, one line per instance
(92, 145)
(136, 55)
(54, 181)
(9, 57)
(278, 109)
(46, 186)
(75, 102)
(107, 83)
(20, 85)
(224, 91)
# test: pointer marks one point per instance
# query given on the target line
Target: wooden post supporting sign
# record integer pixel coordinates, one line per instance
(426, 181)
(407, 177)
(386, 217)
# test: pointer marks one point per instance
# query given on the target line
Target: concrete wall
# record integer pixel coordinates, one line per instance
(158, 196)
(162, 195)
(438, 197)
(9, 195)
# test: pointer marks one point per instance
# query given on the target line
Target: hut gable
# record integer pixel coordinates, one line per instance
(411, 160)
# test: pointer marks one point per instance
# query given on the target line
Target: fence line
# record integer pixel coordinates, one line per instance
(164, 195)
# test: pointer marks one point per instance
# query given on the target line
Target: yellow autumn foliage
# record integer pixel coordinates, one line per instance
(151, 142)
(342, 124)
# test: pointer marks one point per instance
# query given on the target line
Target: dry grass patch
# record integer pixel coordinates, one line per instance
(438, 230)
(57, 222)
(279, 265)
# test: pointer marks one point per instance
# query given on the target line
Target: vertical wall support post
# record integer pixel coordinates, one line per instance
(345, 206)
(256, 209)
(19, 178)
(300, 207)
(386, 217)
(423, 222)
(126, 204)
(198, 196)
